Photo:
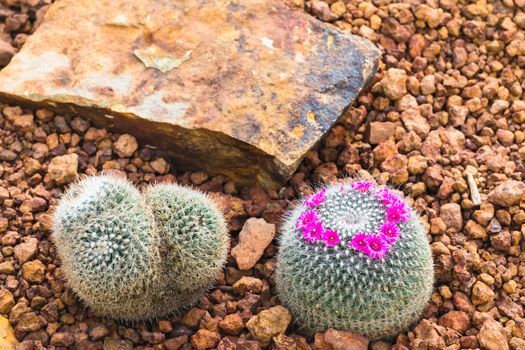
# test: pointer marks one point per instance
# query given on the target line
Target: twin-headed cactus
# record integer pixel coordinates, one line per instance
(354, 257)
(132, 256)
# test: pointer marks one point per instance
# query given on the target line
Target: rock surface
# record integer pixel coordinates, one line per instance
(7, 335)
(507, 193)
(490, 336)
(344, 340)
(255, 236)
(243, 90)
(269, 323)
(63, 169)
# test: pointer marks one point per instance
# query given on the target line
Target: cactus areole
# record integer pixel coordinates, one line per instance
(354, 257)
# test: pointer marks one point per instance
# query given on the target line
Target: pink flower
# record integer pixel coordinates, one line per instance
(359, 242)
(376, 247)
(311, 226)
(363, 186)
(397, 212)
(313, 231)
(316, 199)
(331, 238)
(387, 197)
(307, 217)
(389, 231)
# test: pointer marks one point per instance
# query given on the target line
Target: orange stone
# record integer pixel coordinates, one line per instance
(241, 88)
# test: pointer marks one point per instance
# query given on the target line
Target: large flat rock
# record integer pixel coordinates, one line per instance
(242, 88)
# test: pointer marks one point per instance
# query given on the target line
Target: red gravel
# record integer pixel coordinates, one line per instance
(447, 104)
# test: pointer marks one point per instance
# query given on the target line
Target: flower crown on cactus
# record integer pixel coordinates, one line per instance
(374, 244)
(354, 257)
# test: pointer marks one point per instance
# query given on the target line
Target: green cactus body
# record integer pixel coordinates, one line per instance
(131, 256)
(194, 233)
(106, 238)
(327, 283)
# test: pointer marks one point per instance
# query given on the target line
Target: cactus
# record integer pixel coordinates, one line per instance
(106, 238)
(133, 260)
(194, 233)
(354, 257)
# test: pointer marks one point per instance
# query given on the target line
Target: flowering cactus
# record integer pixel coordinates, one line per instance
(354, 257)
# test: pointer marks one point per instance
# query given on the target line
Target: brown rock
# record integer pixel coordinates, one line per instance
(428, 85)
(417, 165)
(4, 224)
(27, 250)
(269, 323)
(475, 230)
(284, 86)
(501, 241)
(160, 165)
(232, 324)
(204, 339)
(125, 146)
(98, 331)
(24, 123)
(63, 169)
(384, 150)
(427, 332)
(491, 337)
(457, 320)
(8, 340)
(505, 137)
(153, 337)
(33, 205)
(7, 267)
(469, 342)
(481, 293)
(31, 166)
(117, 344)
(431, 16)
(62, 339)
(416, 45)
(394, 163)
(7, 301)
(507, 193)
(176, 343)
(380, 131)
(344, 340)
(451, 215)
(414, 121)
(7, 51)
(231, 343)
(433, 177)
(248, 284)
(394, 83)
(319, 342)
(283, 342)
(165, 326)
(193, 317)
(254, 237)
(453, 140)
(33, 271)
(322, 10)
(484, 214)
(29, 322)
